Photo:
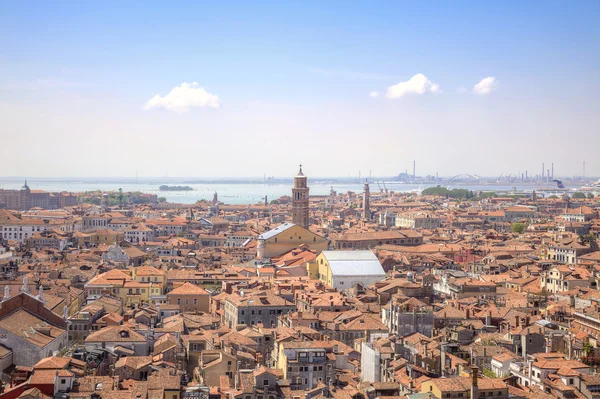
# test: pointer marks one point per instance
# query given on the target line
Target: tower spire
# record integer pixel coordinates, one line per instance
(300, 202)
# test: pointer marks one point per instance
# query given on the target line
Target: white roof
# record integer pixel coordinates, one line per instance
(354, 263)
(275, 231)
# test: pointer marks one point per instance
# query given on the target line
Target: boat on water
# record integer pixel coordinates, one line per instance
(175, 188)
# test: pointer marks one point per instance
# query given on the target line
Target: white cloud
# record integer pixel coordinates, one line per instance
(461, 90)
(373, 94)
(486, 86)
(418, 84)
(184, 97)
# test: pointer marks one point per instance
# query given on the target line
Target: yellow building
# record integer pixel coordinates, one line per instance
(461, 387)
(155, 278)
(119, 283)
(305, 363)
(96, 238)
(286, 237)
(134, 293)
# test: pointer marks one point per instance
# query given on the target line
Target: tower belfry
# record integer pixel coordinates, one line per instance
(366, 201)
(300, 201)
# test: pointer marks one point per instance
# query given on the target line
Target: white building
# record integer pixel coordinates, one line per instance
(418, 220)
(139, 233)
(22, 229)
(238, 238)
(344, 269)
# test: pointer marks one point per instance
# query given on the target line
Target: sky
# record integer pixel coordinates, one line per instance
(242, 89)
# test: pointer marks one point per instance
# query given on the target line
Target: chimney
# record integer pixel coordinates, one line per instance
(474, 386)
(517, 321)
(468, 313)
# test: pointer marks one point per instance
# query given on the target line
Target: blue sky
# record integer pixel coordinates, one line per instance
(293, 81)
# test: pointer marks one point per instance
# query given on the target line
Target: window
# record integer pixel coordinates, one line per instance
(63, 381)
(178, 301)
(265, 383)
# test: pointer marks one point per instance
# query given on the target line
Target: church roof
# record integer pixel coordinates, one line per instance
(277, 230)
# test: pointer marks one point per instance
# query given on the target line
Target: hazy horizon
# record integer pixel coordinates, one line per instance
(210, 89)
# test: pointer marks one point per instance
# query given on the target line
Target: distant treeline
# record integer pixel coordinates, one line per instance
(461, 193)
(444, 192)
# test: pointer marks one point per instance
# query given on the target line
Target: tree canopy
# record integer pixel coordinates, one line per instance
(444, 192)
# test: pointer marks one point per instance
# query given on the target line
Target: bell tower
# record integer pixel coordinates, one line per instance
(300, 200)
(366, 201)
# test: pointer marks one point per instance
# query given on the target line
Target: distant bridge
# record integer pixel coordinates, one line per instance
(465, 177)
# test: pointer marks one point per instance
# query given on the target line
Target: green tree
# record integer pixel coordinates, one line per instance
(489, 373)
(274, 202)
(162, 199)
(578, 194)
(587, 348)
(518, 228)
(590, 195)
(588, 238)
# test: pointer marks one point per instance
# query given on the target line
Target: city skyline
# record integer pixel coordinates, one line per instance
(484, 89)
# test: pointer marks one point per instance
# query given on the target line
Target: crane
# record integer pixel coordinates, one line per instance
(380, 189)
(384, 187)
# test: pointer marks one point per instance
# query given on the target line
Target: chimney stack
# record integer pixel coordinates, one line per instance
(474, 386)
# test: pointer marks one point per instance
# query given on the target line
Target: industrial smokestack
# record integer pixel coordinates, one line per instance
(414, 169)
(552, 175)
